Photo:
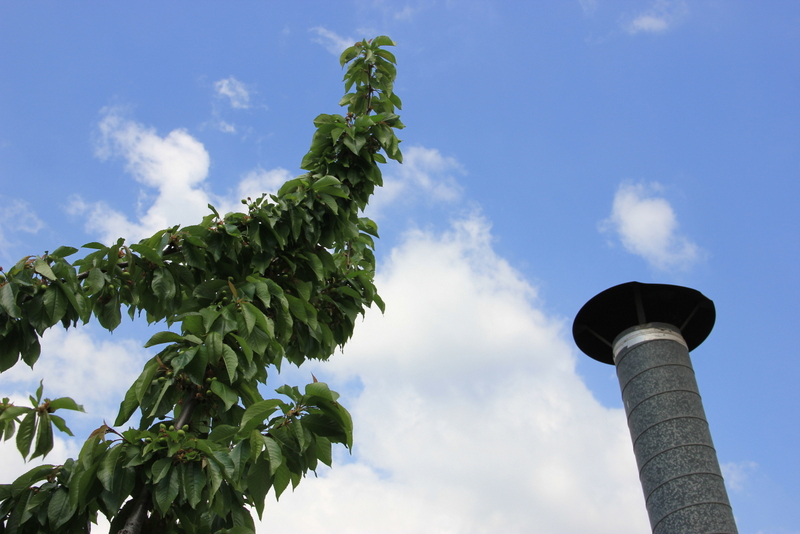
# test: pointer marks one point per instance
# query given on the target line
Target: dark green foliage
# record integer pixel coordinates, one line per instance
(284, 280)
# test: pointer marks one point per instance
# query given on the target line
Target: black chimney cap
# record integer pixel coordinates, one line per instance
(616, 309)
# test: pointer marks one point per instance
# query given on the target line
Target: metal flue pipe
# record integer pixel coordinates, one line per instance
(647, 331)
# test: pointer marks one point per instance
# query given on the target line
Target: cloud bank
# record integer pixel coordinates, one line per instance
(646, 225)
(76, 363)
(172, 170)
(471, 418)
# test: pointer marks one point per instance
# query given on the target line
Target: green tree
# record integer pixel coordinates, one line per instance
(283, 281)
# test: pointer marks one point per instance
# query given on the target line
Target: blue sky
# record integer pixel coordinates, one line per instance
(553, 149)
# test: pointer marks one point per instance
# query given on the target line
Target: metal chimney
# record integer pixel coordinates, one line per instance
(647, 331)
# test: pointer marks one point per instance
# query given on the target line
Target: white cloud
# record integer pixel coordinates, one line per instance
(660, 17)
(646, 225)
(13, 466)
(225, 127)
(425, 176)
(736, 474)
(259, 181)
(74, 363)
(333, 42)
(472, 417)
(173, 169)
(235, 91)
(95, 373)
(16, 216)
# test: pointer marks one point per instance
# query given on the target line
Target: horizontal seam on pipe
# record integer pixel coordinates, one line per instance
(706, 445)
(664, 421)
(628, 350)
(624, 387)
(647, 497)
(662, 393)
(726, 505)
(658, 334)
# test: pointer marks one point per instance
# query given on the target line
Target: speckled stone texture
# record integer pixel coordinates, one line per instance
(678, 466)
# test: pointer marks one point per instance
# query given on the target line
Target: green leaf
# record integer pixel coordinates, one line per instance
(63, 252)
(44, 436)
(324, 453)
(258, 484)
(148, 253)
(348, 55)
(166, 490)
(383, 40)
(250, 314)
(281, 479)
(196, 366)
(320, 389)
(108, 468)
(163, 285)
(78, 301)
(223, 433)
(39, 391)
(8, 300)
(12, 412)
(95, 280)
(59, 510)
(256, 414)
(61, 424)
(160, 469)
(55, 303)
(297, 308)
(194, 480)
(184, 358)
(25, 433)
(224, 392)
(325, 181)
(163, 337)
(109, 315)
(42, 267)
(65, 403)
(275, 454)
(223, 458)
(214, 346)
(231, 361)
(214, 476)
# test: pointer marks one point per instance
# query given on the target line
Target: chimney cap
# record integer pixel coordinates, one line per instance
(618, 308)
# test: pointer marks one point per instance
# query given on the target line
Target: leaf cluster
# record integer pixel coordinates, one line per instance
(284, 280)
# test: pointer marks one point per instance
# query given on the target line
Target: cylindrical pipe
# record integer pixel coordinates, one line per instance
(678, 467)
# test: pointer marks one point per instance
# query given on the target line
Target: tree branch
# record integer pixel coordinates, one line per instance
(137, 518)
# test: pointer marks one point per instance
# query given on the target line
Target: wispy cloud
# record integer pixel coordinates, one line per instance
(588, 6)
(736, 474)
(172, 170)
(662, 15)
(471, 417)
(16, 216)
(425, 176)
(235, 91)
(333, 42)
(225, 127)
(646, 225)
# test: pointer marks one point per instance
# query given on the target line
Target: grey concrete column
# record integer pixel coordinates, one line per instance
(647, 331)
(681, 479)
